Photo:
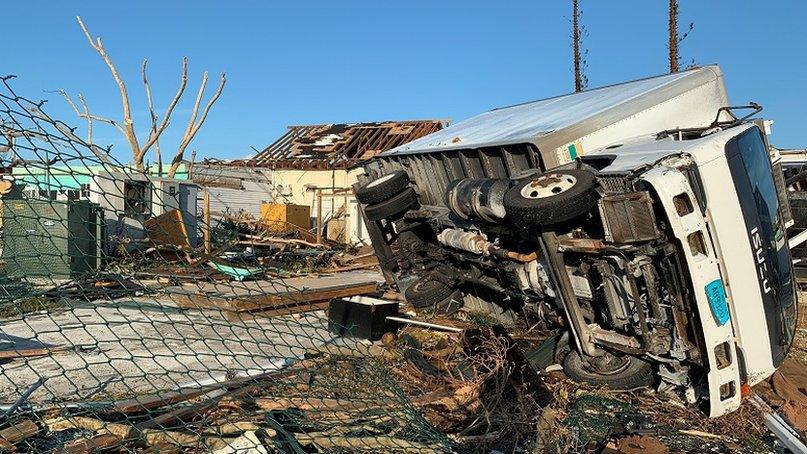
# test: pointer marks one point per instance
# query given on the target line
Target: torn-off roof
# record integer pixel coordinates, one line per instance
(331, 146)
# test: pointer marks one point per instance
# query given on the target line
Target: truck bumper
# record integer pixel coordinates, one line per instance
(713, 316)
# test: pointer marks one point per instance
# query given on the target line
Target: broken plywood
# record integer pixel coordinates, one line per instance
(168, 228)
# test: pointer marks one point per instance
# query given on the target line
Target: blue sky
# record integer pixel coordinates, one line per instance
(323, 61)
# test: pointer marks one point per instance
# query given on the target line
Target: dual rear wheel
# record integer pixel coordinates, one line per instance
(387, 197)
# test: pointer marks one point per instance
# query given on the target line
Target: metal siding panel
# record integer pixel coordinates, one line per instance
(442, 179)
(453, 166)
(471, 164)
(423, 181)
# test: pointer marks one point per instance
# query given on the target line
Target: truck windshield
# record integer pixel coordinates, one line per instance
(752, 173)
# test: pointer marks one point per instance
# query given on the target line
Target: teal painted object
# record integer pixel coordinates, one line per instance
(61, 178)
(238, 273)
(572, 152)
(716, 295)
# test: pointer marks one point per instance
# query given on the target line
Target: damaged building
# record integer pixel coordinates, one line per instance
(311, 166)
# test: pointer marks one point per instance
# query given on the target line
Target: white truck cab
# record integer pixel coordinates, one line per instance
(732, 233)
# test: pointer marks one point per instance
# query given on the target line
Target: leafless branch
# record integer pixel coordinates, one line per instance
(84, 113)
(85, 110)
(193, 125)
(88, 116)
(153, 115)
(157, 131)
(157, 126)
(9, 135)
(97, 151)
(128, 124)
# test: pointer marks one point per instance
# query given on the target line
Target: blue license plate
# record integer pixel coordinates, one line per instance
(717, 301)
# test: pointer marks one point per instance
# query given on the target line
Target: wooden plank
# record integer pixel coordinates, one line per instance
(30, 352)
(319, 404)
(367, 443)
(157, 400)
(19, 431)
(279, 300)
(168, 228)
(95, 443)
(236, 316)
(152, 401)
(60, 424)
(207, 226)
(264, 302)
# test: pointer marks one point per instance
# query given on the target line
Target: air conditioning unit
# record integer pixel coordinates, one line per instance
(283, 189)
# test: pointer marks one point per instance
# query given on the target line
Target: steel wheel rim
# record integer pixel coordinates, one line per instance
(378, 181)
(548, 185)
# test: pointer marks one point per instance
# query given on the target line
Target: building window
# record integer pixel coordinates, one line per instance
(135, 195)
(85, 191)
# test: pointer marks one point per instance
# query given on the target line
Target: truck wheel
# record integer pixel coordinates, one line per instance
(383, 187)
(551, 198)
(426, 293)
(627, 373)
(392, 207)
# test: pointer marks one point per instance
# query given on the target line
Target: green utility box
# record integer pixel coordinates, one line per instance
(52, 239)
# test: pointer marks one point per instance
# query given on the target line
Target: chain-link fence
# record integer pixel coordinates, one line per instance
(133, 320)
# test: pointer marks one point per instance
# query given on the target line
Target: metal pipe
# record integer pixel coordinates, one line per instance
(425, 324)
(506, 254)
(23, 398)
(477, 243)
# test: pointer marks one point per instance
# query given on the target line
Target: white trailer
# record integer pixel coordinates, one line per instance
(565, 127)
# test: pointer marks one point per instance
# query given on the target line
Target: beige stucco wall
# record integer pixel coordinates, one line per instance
(300, 184)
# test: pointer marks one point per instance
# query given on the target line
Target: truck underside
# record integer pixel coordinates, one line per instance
(580, 250)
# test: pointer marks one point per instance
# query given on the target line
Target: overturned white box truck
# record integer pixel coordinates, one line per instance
(646, 219)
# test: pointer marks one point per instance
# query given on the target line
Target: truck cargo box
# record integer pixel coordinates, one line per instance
(564, 127)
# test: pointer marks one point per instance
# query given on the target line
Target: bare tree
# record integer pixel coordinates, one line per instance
(158, 126)
(580, 79)
(674, 41)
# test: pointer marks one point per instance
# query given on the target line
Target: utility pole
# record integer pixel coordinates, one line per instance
(578, 70)
(673, 44)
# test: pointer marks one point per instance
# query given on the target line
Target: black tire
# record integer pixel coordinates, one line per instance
(426, 293)
(525, 203)
(383, 187)
(637, 373)
(392, 207)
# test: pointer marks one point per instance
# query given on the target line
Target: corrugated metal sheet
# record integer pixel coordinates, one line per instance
(234, 201)
(234, 190)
